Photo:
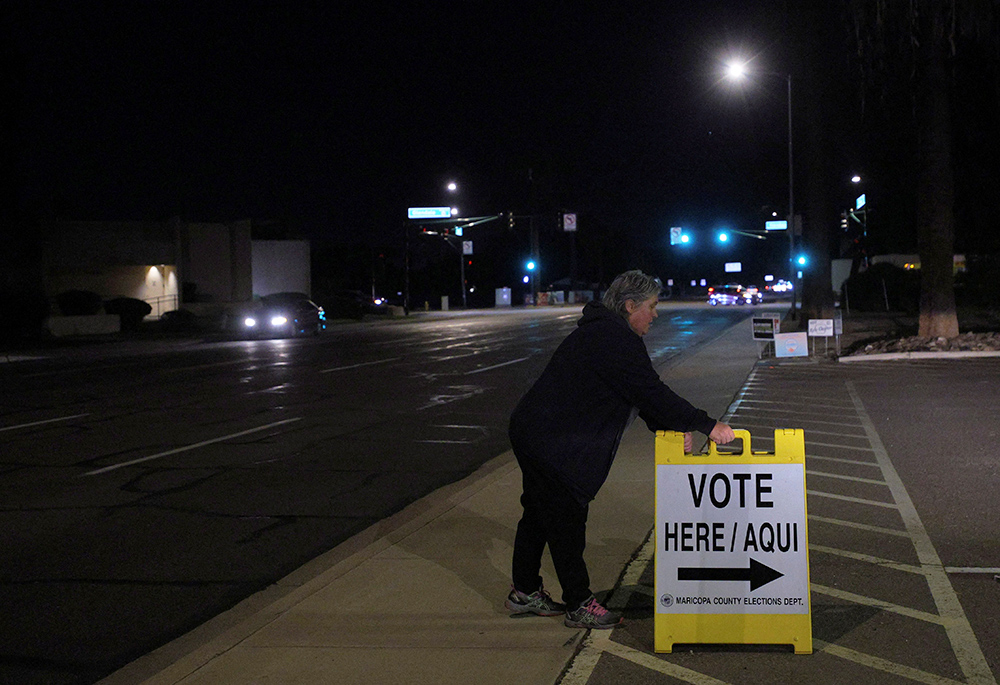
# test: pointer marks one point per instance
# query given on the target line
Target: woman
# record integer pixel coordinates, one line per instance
(565, 432)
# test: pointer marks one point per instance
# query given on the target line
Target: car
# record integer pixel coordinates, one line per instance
(726, 294)
(734, 293)
(284, 315)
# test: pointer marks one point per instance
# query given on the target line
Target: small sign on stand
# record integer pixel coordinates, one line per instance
(764, 330)
(821, 328)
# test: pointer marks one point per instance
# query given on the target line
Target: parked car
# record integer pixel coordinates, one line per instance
(285, 315)
(354, 304)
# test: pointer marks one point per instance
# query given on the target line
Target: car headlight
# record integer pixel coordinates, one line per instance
(278, 320)
(249, 322)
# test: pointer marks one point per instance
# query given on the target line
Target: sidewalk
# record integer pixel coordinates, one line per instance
(418, 598)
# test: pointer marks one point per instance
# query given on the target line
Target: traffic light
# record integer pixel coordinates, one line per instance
(843, 221)
(723, 237)
(510, 219)
(530, 266)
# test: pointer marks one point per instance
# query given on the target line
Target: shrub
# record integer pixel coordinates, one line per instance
(22, 313)
(130, 310)
(79, 303)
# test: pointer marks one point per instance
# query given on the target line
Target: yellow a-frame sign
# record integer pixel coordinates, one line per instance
(732, 556)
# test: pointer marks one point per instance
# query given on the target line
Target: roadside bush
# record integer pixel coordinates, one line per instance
(976, 287)
(22, 313)
(129, 310)
(79, 303)
(883, 287)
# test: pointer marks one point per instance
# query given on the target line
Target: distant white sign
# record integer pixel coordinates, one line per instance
(569, 222)
(734, 267)
(820, 328)
(466, 247)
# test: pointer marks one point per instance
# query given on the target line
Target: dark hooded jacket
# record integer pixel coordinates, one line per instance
(570, 422)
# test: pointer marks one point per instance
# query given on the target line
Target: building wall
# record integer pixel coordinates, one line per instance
(172, 263)
(281, 266)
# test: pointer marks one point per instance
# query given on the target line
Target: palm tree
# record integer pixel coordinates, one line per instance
(913, 45)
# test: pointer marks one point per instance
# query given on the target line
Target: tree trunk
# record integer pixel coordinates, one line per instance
(935, 191)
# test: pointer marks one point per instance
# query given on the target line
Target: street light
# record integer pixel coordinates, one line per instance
(736, 70)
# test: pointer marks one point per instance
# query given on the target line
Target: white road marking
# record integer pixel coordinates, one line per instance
(882, 664)
(868, 559)
(925, 616)
(41, 423)
(963, 639)
(496, 366)
(189, 447)
(840, 476)
(856, 500)
(357, 366)
(860, 526)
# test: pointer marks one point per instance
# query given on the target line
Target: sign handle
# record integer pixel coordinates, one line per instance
(741, 433)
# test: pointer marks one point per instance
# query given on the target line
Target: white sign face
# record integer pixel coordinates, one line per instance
(675, 235)
(791, 344)
(820, 328)
(466, 247)
(733, 267)
(731, 539)
(569, 222)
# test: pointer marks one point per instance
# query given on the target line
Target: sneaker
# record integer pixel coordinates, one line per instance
(538, 602)
(591, 614)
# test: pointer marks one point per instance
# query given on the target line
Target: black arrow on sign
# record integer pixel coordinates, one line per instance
(758, 574)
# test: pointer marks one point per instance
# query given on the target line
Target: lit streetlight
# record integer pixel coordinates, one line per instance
(736, 70)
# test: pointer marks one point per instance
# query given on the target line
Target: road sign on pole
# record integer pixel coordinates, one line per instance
(428, 213)
(732, 553)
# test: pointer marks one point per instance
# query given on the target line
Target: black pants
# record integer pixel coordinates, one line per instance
(551, 516)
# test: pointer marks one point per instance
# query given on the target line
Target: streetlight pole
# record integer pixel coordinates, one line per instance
(791, 207)
(736, 70)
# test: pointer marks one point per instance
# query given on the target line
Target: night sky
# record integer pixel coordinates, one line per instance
(334, 117)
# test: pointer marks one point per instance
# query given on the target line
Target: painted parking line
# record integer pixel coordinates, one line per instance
(42, 423)
(188, 448)
(963, 639)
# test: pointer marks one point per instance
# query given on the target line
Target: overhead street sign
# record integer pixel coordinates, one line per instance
(775, 225)
(732, 551)
(428, 213)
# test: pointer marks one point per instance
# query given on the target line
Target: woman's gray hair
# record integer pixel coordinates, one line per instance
(631, 285)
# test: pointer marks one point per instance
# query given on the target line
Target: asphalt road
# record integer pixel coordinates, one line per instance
(147, 486)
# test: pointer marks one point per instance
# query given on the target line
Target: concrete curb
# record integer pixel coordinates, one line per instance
(897, 356)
